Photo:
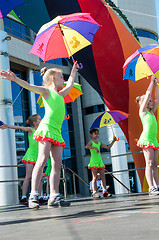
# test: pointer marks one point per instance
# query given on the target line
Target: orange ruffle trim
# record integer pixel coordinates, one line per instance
(147, 146)
(39, 139)
(27, 161)
(96, 167)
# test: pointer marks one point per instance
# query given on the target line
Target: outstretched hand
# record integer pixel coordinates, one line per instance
(114, 138)
(8, 75)
(3, 126)
(75, 66)
(154, 79)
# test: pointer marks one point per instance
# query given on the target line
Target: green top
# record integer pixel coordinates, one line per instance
(31, 154)
(96, 160)
(50, 126)
(149, 134)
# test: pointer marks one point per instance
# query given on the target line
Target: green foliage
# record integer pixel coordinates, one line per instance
(118, 11)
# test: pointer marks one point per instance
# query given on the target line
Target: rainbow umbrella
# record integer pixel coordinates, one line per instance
(109, 118)
(64, 36)
(143, 63)
(74, 93)
(7, 5)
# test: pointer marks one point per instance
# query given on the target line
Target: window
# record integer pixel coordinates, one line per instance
(93, 109)
(18, 29)
(147, 34)
(21, 113)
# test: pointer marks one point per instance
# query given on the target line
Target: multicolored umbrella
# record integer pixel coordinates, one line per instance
(74, 93)
(109, 118)
(64, 36)
(7, 5)
(143, 63)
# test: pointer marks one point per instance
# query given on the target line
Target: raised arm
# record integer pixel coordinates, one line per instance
(110, 145)
(25, 129)
(156, 101)
(12, 77)
(147, 95)
(70, 81)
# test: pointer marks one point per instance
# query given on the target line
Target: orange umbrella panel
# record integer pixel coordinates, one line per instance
(74, 93)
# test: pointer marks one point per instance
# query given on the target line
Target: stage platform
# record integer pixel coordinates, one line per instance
(125, 217)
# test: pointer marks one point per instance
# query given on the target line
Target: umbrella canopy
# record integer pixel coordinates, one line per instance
(74, 93)
(64, 36)
(109, 118)
(7, 5)
(144, 62)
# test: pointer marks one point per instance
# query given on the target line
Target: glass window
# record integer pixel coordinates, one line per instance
(57, 61)
(15, 26)
(20, 111)
(17, 29)
(17, 100)
(38, 82)
(147, 34)
(93, 109)
(7, 22)
(15, 33)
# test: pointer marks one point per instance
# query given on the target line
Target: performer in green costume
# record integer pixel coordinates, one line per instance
(96, 164)
(148, 139)
(49, 132)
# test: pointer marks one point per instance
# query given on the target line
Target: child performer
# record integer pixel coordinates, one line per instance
(96, 164)
(148, 139)
(48, 133)
(31, 155)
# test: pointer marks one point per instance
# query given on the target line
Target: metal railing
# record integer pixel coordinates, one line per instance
(74, 175)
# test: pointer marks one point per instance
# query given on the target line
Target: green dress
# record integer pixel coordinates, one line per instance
(31, 154)
(48, 168)
(49, 128)
(148, 137)
(96, 160)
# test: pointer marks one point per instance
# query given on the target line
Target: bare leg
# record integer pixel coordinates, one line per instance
(94, 177)
(29, 168)
(149, 155)
(155, 171)
(43, 155)
(103, 180)
(56, 161)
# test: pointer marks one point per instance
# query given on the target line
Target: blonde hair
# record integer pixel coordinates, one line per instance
(46, 73)
(30, 121)
(140, 99)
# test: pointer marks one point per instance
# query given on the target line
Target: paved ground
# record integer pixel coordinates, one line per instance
(120, 217)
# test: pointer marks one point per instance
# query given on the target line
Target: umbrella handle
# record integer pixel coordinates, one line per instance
(117, 138)
(80, 65)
